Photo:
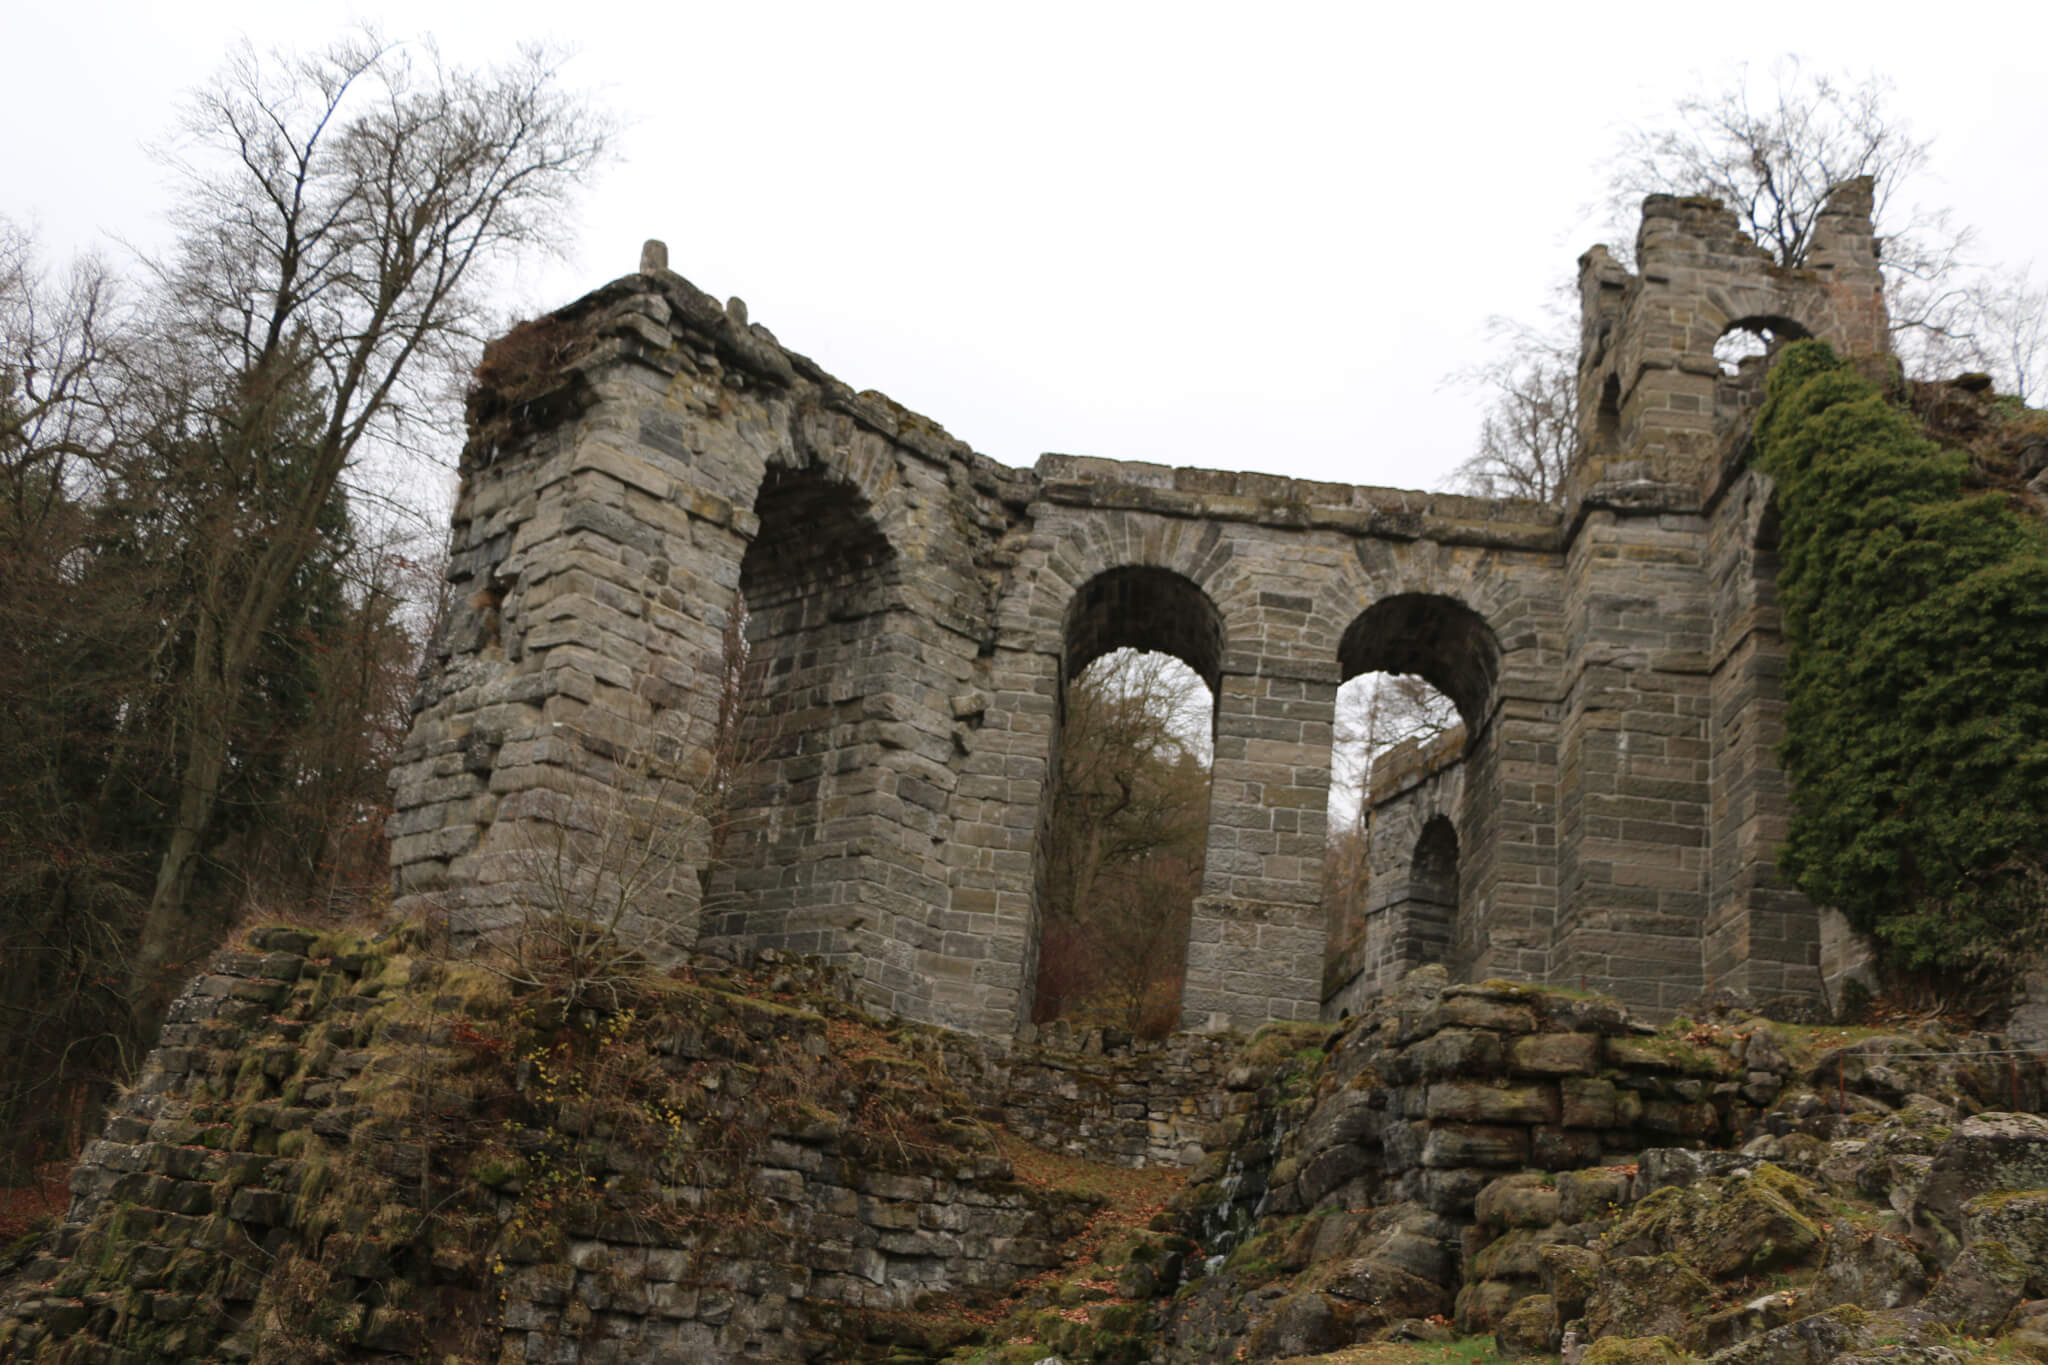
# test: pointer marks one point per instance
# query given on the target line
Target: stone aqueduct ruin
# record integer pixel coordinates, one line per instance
(645, 456)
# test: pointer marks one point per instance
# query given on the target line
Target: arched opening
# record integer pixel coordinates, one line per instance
(1389, 724)
(1122, 846)
(1147, 609)
(1432, 904)
(1421, 672)
(1439, 638)
(1607, 417)
(795, 747)
(1752, 338)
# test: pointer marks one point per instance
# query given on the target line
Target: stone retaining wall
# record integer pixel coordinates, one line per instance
(1467, 1081)
(308, 1152)
(1098, 1094)
(1465, 1152)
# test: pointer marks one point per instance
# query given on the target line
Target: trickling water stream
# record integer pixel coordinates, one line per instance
(1243, 1187)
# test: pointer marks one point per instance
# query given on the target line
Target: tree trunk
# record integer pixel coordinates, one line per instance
(221, 658)
(169, 913)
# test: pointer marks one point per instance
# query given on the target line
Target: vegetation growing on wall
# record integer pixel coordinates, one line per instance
(1917, 689)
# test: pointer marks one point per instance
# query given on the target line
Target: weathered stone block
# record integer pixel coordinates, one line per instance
(1589, 1102)
(1555, 1054)
(1467, 1145)
(1479, 1102)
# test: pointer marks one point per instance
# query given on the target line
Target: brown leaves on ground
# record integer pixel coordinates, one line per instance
(1131, 1198)
(45, 1195)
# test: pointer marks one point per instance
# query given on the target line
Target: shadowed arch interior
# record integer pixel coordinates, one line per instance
(1756, 335)
(817, 587)
(817, 538)
(1774, 328)
(1607, 425)
(1139, 607)
(1121, 844)
(1441, 638)
(1432, 894)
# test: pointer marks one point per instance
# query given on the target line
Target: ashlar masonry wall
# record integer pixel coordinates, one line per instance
(652, 477)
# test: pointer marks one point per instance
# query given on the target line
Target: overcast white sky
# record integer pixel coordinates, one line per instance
(1232, 236)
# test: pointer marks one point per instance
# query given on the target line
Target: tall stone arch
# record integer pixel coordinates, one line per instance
(1135, 607)
(1256, 940)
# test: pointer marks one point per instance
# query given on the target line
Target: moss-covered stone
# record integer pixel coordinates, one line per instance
(1659, 1295)
(1634, 1351)
(1528, 1328)
(1734, 1225)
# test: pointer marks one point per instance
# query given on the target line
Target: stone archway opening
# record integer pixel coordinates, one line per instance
(1389, 722)
(1751, 338)
(1607, 417)
(804, 649)
(1420, 680)
(1123, 844)
(1427, 928)
(1438, 638)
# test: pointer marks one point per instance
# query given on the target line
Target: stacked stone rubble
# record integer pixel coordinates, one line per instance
(1097, 1093)
(1543, 1167)
(276, 1071)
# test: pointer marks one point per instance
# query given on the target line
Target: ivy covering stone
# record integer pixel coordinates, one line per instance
(1917, 686)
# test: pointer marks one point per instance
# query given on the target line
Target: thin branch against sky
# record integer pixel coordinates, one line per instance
(1137, 231)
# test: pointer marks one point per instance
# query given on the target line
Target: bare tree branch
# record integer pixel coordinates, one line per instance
(339, 209)
(1530, 432)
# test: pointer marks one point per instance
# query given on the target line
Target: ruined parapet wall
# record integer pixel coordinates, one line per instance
(1670, 799)
(1415, 912)
(1649, 383)
(1275, 502)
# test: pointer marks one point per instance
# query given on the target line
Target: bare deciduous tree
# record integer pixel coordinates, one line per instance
(339, 211)
(1127, 838)
(55, 345)
(2007, 334)
(1773, 147)
(1531, 427)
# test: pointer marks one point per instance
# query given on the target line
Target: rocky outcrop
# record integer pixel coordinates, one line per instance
(363, 1151)
(1544, 1168)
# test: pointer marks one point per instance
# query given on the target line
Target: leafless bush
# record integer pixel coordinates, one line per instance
(615, 869)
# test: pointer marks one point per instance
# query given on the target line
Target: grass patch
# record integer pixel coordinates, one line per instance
(1276, 1044)
(1464, 1351)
